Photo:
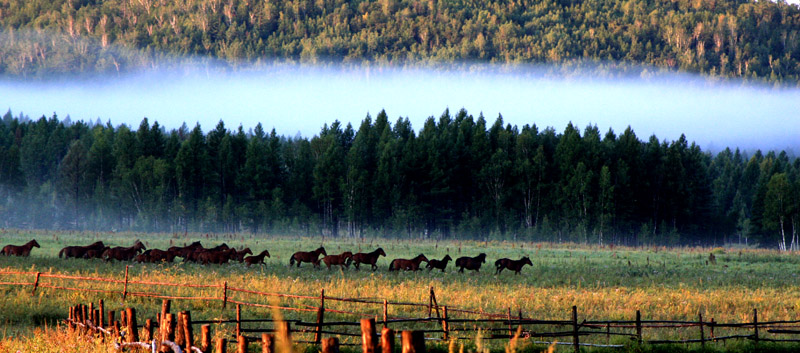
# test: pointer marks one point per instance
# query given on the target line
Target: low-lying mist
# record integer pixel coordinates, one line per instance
(300, 99)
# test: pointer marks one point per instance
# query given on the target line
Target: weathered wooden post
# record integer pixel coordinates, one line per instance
(284, 335)
(111, 318)
(639, 326)
(241, 344)
(205, 337)
(330, 345)
(445, 324)
(188, 334)
(575, 339)
(125, 287)
(320, 317)
(387, 340)
(267, 343)
(238, 320)
(755, 325)
(510, 330)
(147, 334)
(385, 312)
(368, 335)
(702, 333)
(711, 326)
(179, 339)
(165, 304)
(167, 330)
(101, 309)
(221, 345)
(224, 294)
(35, 283)
(84, 313)
(413, 342)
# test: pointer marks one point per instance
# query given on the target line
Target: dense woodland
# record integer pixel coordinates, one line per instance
(754, 40)
(458, 176)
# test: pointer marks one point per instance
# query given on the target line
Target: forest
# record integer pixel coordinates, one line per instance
(743, 39)
(457, 176)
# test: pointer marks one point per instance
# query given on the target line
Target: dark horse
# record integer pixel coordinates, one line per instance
(257, 259)
(182, 251)
(79, 251)
(307, 256)
(95, 254)
(342, 259)
(440, 264)
(239, 255)
(408, 265)
(120, 253)
(218, 257)
(155, 255)
(368, 258)
(20, 250)
(513, 265)
(471, 263)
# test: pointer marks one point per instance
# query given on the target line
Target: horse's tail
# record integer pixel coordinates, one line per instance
(291, 261)
(498, 263)
(61, 252)
(391, 265)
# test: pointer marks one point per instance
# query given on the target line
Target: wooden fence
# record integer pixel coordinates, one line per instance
(439, 323)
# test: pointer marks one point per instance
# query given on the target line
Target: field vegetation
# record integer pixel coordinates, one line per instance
(604, 282)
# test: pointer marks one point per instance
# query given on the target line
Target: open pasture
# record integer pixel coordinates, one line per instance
(603, 282)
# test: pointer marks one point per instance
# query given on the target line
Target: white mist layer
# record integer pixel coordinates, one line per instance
(301, 99)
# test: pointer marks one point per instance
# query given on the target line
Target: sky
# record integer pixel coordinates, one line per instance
(300, 99)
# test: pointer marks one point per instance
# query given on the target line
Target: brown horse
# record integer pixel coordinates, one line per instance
(20, 250)
(182, 251)
(218, 257)
(513, 265)
(79, 251)
(307, 256)
(342, 259)
(407, 265)
(155, 255)
(95, 254)
(471, 263)
(239, 255)
(120, 253)
(440, 264)
(191, 255)
(368, 258)
(257, 259)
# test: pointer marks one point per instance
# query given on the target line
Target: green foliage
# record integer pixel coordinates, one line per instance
(458, 177)
(731, 38)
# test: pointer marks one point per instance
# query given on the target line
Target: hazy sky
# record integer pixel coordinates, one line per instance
(301, 99)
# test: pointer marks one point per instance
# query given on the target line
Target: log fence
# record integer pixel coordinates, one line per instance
(439, 322)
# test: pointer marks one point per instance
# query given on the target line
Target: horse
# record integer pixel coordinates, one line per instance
(182, 251)
(257, 259)
(216, 257)
(155, 255)
(79, 251)
(239, 255)
(307, 256)
(471, 263)
(440, 264)
(20, 250)
(368, 258)
(120, 253)
(513, 265)
(407, 265)
(95, 254)
(342, 259)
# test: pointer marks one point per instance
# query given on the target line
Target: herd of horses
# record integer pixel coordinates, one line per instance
(223, 254)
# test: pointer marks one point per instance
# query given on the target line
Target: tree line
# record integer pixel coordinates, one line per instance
(722, 38)
(457, 177)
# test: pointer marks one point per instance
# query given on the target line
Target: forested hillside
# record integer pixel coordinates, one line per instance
(459, 176)
(727, 38)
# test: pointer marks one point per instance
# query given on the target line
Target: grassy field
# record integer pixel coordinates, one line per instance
(604, 283)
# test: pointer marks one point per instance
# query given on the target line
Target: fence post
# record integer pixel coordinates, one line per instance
(385, 312)
(180, 340)
(387, 340)
(165, 304)
(221, 345)
(224, 294)
(575, 339)
(711, 326)
(413, 342)
(320, 317)
(430, 302)
(111, 318)
(205, 337)
(510, 330)
(445, 324)
(639, 326)
(268, 343)
(188, 334)
(100, 315)
(133, 331)
(147, 334)
(35, 283)
(330, 345)
(238, 320)
(125, 287)
(368, 335)
(702, 333)
(167, 329)
(755, 325)
(241, 344)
